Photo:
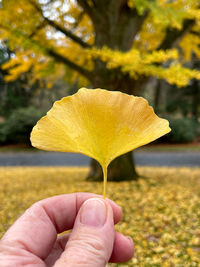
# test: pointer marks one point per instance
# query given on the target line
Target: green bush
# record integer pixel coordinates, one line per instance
(17, 128)
(2, 132)
(183, 131)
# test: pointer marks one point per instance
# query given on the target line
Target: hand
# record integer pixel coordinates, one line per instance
(32, 240)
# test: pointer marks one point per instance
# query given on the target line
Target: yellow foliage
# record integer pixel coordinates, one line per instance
(160, 212)
(28, 32)
(117, 59)
(100, 124)
(23, 21)
(190, 43)
(136, 63)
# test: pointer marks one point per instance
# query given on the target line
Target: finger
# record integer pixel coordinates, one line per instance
(123, 249)
(36, 230)
(92, 238)
(57, 250)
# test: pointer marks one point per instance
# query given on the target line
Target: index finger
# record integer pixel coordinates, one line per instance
(36, 230)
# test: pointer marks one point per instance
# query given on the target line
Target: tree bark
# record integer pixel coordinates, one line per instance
(123, 167)
(116, 29)
(120, 169)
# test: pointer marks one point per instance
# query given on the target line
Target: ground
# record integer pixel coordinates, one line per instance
(161, 211)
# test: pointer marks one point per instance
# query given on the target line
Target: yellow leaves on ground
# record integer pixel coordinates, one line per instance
(100, 124)
(160, 212)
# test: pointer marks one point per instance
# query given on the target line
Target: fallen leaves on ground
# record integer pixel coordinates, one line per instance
(161, 210)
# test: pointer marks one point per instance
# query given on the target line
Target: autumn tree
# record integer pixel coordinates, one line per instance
(112, 44)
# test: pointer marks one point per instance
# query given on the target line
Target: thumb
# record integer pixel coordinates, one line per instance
(92, 238)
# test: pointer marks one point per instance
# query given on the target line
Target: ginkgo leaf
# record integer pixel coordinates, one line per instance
(100, 124)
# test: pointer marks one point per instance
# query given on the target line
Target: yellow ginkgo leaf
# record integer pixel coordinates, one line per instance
(100, 124)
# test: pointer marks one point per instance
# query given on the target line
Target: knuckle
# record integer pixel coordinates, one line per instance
(89, 247)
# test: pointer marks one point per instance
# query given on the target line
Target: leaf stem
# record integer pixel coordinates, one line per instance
(104, 180)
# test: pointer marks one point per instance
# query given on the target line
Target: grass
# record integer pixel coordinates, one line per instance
(161, 212)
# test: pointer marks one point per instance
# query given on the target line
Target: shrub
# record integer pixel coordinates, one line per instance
(17, 128)
(184, 130)
(2, 132)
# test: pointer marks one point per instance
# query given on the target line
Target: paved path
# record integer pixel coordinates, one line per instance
(189, 159)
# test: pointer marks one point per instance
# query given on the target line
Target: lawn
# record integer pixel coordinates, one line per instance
(161, 211)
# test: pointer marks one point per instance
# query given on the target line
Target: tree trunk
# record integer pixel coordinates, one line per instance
(120, 169)
(116, 29)
(123, 167)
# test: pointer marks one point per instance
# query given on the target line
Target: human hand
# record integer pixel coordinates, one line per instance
(32, 240)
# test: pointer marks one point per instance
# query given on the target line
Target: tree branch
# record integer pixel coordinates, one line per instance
(58, 27)
(88, 9)
(49, 51)
(67, 33)
(39, 27)
(78, 19)
(173, 35)
(84, 4)
(71, 64)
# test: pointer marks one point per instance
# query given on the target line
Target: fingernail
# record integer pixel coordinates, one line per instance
(93, 212)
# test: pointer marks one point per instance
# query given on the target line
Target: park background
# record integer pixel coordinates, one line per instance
(51, 48)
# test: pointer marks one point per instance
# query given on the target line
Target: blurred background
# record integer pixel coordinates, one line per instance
(146, 48)
(51, 48)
